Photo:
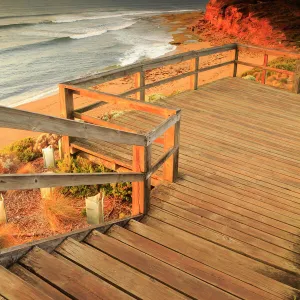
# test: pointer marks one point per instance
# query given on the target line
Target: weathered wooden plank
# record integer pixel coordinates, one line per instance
(155, 268)
(177, 77)
(70, 278)
(158, 83)
(163, 127)
(116, 273)
(218, 279)
(97, 121)
(213, 258)
(34, 181)
(66, 111)
(134, 104)
(11, 255)
(14, 288)
(223, 217)
(37, 282)
(234, 243)
(236, 58)
(141, 162)
(24, 120)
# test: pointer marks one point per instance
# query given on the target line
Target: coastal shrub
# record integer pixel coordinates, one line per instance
(112, 115)
(175, 93)
(154, 97)
(282, 63)
(22, 149)
(80, 165)
(249, 77)
(122, 190)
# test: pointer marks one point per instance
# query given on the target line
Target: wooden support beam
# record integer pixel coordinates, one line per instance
(194, 66)
(141, 163)
(236, 58)
(66, 111)
(139, 82)
(170, 169)
(264, 72)
(296, 87)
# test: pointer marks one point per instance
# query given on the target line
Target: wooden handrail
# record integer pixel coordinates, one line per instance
(33, 181)
(24, 120)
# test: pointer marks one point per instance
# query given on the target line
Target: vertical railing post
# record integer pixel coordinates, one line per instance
(264, 72)
(194, 66)
(236, 59)
(139, 81)
(66, 111)
(171, 139)
(141, 163)
(296, 87)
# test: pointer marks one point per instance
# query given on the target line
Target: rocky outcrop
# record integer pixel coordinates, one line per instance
(264, 22)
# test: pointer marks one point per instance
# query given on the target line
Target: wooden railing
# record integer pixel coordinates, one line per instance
(139, 70)
(142, 168)
(265, 67)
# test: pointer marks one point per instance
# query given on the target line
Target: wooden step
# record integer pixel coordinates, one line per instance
(115, 272)
(154, 267)
(37, 282)
(69, 278)
(220, 259)
(13, 287)
(195, 268)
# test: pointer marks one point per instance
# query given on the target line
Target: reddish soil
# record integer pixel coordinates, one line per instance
(28, 219)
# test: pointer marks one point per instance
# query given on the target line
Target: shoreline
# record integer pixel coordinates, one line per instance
(183, 39)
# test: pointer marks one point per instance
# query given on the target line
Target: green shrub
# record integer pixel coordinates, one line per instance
(155, 97)
(82, 165)
(122, 190)
(249, 77)
(282, 63)
(23, 150)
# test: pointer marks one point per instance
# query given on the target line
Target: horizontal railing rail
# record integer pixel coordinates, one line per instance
(139, 69)
(34, 181)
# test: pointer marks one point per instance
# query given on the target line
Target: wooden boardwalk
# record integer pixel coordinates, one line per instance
(228, 228)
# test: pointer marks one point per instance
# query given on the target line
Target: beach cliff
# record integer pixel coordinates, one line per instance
(263, 22)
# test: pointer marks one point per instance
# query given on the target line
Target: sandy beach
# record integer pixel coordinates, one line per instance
(184, 39)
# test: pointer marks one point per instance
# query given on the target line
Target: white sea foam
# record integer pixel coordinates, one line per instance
(145, 52)
(77, 18)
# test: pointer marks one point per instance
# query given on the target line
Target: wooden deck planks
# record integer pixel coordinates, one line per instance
(212, 256)
(72, 280)
(228, 228)
(115, 272)
(154, 267)
(14, 288)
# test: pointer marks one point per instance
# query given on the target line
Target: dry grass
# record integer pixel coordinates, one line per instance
(59, 210)
(9, 235)
(26, 169)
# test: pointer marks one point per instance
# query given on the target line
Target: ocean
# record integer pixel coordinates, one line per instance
(43, 42)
